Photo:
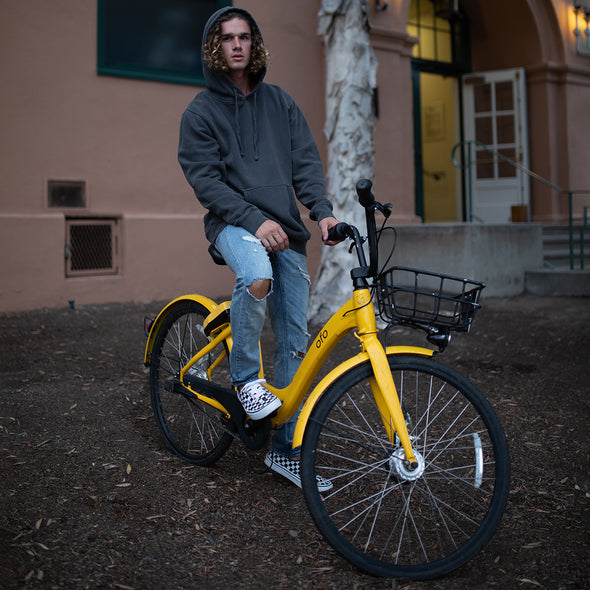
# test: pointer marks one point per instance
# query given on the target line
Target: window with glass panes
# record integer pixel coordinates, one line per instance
(153, 39)
(441, 30)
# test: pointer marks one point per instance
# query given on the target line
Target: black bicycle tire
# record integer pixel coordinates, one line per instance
(317, 502)
(219, 437)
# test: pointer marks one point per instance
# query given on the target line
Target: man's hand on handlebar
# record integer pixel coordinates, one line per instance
(325, 225)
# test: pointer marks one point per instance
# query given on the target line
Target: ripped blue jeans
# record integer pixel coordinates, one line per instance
(287, 306)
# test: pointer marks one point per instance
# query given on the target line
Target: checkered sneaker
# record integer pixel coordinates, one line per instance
(258, 401)
(291, 469)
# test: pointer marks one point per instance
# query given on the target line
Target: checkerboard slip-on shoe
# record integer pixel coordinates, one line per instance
(290, 469)
(258, 402)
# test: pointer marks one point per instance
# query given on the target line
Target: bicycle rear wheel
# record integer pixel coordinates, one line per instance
(386, 519)
(192, 429)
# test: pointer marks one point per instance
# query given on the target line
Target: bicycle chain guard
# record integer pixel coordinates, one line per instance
(253, 433)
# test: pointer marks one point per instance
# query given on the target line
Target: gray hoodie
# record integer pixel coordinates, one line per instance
(246, 157)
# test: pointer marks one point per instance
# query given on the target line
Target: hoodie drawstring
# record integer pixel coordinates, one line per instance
(254, 125)
(237, 119)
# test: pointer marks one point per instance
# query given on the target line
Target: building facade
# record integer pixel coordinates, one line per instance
(94, 207)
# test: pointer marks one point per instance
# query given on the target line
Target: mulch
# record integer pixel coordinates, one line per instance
(92, 499)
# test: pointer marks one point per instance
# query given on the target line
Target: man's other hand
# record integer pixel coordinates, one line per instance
(272, 236)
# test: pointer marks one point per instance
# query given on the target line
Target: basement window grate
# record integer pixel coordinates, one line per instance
(92, 247)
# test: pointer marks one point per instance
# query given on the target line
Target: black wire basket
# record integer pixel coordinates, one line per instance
(427, 299)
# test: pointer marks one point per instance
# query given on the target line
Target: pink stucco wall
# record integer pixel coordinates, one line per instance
(61, 121)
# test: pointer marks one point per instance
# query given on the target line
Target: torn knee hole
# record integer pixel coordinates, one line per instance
(259, 289)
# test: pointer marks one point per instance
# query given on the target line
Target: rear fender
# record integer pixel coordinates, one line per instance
(204, 301)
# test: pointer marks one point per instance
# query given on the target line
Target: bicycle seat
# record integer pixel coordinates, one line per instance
(216, 255)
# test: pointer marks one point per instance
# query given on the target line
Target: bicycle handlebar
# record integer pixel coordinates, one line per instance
(367, 200)
(338, 232)
(363, 190)
(344, 230)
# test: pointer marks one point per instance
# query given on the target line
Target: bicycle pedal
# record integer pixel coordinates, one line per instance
(261, 420)
(255, 433)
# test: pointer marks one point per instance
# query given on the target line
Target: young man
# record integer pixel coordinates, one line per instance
(247, 150)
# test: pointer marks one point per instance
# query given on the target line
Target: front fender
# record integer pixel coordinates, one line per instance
(329, 379)
(204, 301)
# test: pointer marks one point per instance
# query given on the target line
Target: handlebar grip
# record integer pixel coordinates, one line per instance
(363, 190)
(338, 232)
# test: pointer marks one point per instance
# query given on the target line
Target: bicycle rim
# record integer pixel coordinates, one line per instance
(385, 518)
(191, 428)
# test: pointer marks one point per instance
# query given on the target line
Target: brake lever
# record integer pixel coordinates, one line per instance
(385, 209)
(351, 247)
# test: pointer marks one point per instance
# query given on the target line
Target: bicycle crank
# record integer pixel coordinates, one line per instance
(253, 433)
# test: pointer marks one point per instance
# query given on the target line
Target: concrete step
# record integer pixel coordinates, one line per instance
(561, 259)
(556, 245)
(557, 282)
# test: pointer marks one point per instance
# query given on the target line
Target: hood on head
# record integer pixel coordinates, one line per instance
(218, 80)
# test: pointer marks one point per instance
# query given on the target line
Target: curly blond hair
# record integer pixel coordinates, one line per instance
(213, 55)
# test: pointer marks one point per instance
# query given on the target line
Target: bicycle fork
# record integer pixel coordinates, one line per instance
(382, 385)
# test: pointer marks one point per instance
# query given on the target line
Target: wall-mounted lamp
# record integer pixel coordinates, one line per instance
(582, 12)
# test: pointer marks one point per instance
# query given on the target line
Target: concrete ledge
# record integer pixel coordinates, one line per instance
(556, 283)
(497, 255)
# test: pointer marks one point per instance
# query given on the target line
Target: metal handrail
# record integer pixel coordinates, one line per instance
(583, 228)
(534, 176)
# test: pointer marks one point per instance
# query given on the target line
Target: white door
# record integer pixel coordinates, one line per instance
(494, 105)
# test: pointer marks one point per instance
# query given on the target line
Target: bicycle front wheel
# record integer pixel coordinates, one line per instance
(192, 429)
(384, 517)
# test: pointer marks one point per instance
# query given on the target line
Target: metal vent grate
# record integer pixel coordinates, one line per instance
(92, 247)
(66, 193)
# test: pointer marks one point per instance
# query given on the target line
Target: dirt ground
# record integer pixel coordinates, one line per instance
(90, 498)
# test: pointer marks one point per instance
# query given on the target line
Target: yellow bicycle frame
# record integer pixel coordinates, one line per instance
(358, 313)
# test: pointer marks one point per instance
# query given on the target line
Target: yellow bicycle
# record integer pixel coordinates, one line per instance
(417, 457)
